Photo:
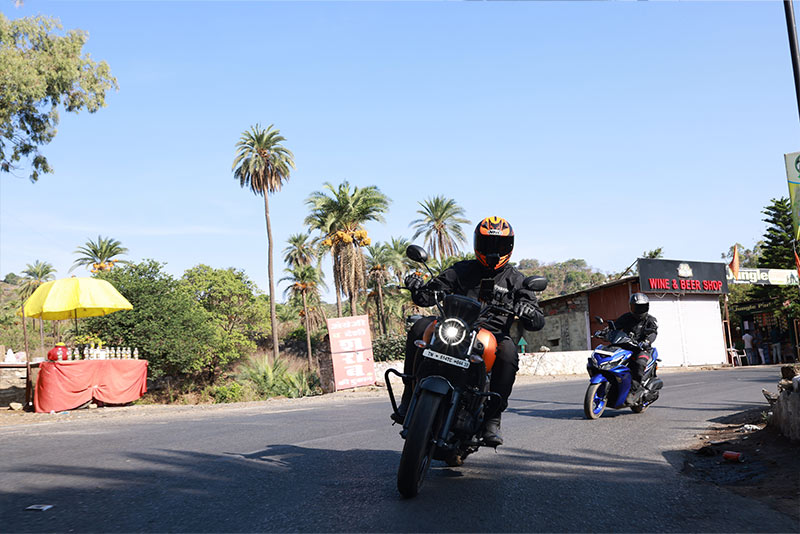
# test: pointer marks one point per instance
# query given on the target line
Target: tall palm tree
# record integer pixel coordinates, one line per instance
(263, 164)
(301, 250)
(378, 270)
(100, 254)
(305, 282)
(339, 214)
(441, 224)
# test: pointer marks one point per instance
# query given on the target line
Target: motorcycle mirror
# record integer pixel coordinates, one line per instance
(599, 319)
(417, 253)
(535, 283)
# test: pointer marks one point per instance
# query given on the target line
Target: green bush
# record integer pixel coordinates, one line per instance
(170, 329)
(389, 347)
(274, 379)
(230, 392)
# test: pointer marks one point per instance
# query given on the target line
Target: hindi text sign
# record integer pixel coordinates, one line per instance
(351, 351)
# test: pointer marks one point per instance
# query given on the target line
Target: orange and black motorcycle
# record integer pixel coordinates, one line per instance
(445, 418)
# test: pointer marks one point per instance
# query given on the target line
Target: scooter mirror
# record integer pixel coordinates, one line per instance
(417, 253)
(535, 283)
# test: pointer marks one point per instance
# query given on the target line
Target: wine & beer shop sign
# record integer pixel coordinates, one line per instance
(682, 277)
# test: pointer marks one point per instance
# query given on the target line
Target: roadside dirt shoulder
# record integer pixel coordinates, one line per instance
(768, 464)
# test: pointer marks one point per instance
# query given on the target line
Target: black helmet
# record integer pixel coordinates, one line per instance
(640, 304)
(493, 242)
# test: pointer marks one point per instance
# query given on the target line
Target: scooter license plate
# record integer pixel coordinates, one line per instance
(458, 362)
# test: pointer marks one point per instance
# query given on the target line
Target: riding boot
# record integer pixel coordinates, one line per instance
(402, 408)
(491, 432)
(634, 393)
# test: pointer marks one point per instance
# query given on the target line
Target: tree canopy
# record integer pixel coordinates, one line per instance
(40, 70)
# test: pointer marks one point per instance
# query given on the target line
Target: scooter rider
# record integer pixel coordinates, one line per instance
(643, 328)
(493, 244)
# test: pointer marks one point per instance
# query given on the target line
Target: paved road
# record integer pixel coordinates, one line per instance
(326, 465)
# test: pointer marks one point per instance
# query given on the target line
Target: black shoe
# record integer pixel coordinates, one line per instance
(491, 432)
(633, 395)
(402, 408)
(400, 415)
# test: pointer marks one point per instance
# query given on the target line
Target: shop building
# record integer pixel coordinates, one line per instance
(684, 298)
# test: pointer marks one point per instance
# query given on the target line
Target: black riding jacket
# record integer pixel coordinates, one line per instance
(644, 329)
(464, 278)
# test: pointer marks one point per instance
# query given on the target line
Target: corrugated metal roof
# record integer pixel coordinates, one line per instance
(619, 281)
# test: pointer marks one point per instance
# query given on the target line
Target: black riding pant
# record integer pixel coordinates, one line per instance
(639, 364)
(504, 370)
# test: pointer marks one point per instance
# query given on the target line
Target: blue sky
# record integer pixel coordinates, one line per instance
(598, 130)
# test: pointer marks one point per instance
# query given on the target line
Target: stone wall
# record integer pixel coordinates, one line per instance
(786, 414)
(564, 326)
(786, 408)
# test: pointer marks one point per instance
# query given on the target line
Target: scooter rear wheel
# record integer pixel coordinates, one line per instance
(595, 401)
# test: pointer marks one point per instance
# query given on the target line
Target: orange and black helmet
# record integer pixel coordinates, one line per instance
(494, 241)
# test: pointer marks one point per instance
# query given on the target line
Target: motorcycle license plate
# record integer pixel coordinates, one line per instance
(458, 362)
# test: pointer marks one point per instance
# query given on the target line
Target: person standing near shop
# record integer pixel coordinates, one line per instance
(759, 343)
(748, 348)
(775, 340)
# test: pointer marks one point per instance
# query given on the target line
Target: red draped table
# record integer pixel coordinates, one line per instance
(65, 385)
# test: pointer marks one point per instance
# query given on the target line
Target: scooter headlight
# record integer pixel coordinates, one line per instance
(451, 331)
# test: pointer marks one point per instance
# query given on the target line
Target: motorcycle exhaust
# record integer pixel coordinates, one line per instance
(655, 384)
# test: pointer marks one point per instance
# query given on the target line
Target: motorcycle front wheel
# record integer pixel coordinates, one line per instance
(594, 403)
(418, 450)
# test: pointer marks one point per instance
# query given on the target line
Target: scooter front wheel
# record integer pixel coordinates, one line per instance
(595, 401)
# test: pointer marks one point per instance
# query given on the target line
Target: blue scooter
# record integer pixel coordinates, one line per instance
(610, 377)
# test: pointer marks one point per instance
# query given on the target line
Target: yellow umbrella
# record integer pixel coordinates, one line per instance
(70, 298)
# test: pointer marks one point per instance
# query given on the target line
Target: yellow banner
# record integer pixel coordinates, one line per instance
(793, 176)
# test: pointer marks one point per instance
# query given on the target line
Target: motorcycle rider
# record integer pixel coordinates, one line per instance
(493, 243)
(643, 328)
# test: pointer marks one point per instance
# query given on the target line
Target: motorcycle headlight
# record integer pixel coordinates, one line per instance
(451, 331)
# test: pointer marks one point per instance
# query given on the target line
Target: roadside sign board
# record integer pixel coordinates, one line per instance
(351, 351)
(764, 277)
(682, 277)
(792, 161)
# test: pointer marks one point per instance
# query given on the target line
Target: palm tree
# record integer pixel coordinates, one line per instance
(34, 276)
(441, 223)
(399, 262)
(339, 215)
(100, 254)
(301, 250)
(378, 260)
(305, 282)
(263, 164)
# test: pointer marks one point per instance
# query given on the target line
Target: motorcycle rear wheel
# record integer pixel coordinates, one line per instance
(590, 409)
(418, 450)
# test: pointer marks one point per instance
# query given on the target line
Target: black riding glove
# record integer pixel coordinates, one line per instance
(644, 345)
(524, 310)
(413, 281)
